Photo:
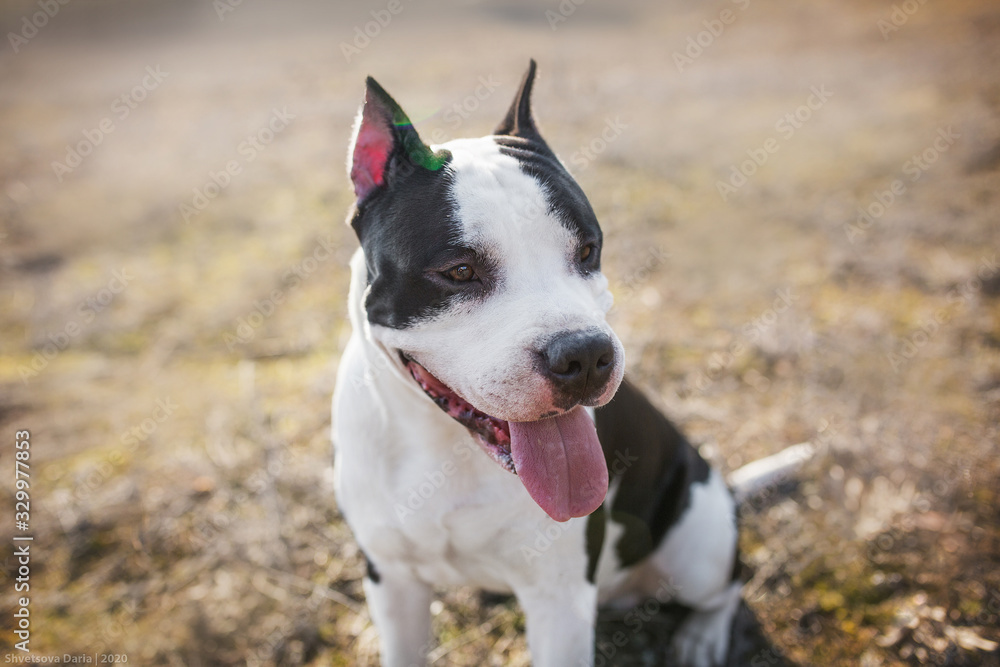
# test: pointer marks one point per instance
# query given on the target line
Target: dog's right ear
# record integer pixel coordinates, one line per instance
(519, 122)
(385, 145)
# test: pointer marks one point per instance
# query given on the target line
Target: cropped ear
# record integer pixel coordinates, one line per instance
(518, 122)
(384, 142)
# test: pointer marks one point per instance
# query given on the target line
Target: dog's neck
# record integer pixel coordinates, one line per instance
(356, 294)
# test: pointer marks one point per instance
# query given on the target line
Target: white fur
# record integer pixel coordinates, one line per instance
(699, 550)
(703, 639)
(697, 557)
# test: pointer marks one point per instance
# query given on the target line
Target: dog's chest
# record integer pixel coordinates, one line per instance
(419, 494)
(456, 547)
(448, 524)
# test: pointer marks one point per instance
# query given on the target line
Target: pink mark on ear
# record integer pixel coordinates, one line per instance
(371, 154)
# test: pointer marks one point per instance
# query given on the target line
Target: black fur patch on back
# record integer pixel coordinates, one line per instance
(596, 525)
(656, 465)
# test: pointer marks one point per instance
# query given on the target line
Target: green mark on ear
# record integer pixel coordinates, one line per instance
(417, 151)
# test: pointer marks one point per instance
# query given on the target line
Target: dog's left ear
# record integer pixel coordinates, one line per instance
(518, 122)
(385, 144)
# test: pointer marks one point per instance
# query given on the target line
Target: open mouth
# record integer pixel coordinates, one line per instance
(558, 459)
(493, 434)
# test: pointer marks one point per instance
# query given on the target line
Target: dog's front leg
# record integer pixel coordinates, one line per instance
(400, 608)
(560, 625)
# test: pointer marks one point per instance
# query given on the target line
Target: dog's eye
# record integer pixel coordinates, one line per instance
(587, 252)
(462, 273)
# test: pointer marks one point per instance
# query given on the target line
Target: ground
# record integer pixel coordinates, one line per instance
(800, 204)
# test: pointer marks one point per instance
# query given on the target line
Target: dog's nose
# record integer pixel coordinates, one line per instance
(580, 362)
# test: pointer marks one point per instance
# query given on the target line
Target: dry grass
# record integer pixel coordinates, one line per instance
(214, 538)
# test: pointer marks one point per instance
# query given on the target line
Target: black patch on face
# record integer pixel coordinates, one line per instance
(404, 229)
(566, 199)
(655, 488)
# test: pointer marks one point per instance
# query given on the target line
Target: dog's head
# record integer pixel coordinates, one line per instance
(485, 290)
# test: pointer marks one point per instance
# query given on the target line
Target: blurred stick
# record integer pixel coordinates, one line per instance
(328, 593)
(466, 637)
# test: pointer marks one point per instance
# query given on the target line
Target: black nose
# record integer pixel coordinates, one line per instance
(579, 363)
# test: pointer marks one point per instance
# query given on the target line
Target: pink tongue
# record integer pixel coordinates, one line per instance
(560, 463)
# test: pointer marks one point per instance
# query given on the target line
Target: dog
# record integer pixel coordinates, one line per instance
(484, 433)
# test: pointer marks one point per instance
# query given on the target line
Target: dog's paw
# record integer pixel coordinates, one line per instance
(703, 638)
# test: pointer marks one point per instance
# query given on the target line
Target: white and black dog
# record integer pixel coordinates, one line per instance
(480, 404)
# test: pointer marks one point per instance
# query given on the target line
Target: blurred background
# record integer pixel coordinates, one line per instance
(800, 204)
